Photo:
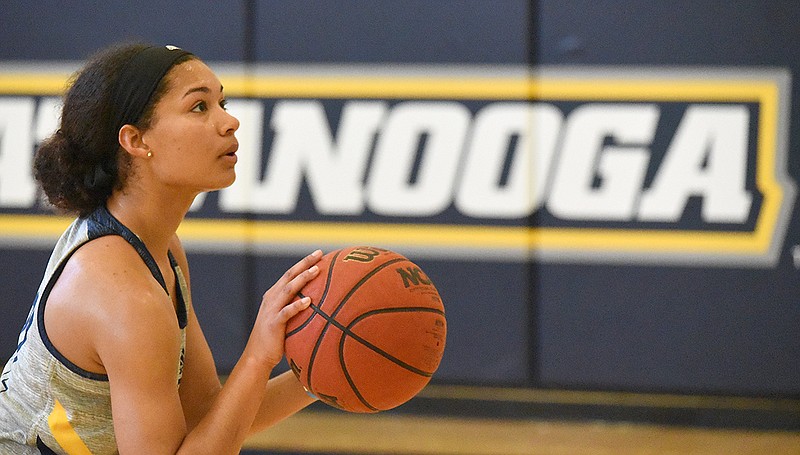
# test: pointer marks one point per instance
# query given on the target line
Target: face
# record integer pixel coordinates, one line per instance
(192, 135)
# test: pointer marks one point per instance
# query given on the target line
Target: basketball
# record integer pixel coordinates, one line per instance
(374, 333)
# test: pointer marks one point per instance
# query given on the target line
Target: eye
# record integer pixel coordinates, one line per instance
(224, 104)
(200, 107)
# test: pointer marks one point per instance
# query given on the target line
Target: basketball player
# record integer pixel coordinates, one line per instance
(112, 358)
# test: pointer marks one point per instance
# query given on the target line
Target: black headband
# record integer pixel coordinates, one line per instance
(138, 80)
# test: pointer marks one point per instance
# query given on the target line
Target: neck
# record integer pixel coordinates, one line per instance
(153, 218)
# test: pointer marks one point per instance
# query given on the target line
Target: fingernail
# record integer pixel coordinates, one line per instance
(314, 269)
(317, 253)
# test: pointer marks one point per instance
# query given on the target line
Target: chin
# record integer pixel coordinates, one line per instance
(227, 181)
(216, 186)
(231, 179)
(218, 180)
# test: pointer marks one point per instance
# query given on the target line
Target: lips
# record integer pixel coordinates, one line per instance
(231, 151)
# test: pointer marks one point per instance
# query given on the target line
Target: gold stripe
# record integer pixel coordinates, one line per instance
(443, 236)
(377, 87)
(432, 87)
(62, 431)
(496, 88)
(33, 226)
(33, 84)
(427, 235)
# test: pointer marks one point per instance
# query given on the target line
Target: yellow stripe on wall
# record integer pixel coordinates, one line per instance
(524, 238)
(65, 435)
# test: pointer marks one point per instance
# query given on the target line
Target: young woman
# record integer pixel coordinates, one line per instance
(112, 358)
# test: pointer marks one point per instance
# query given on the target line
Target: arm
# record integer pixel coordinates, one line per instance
(284, 397)
(200, 384)
(273, 400)
(139, 355)
(147, 410)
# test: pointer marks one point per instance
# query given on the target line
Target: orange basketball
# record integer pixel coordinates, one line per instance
(374, 333)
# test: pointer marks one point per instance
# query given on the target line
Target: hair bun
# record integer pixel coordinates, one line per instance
(99, 180)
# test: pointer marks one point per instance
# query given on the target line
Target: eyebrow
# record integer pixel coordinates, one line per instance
(203, 89)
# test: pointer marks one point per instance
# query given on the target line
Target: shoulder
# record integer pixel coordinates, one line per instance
(110, 267)
(109, 279)
(134, 317)
(116, 278)
(106, 299)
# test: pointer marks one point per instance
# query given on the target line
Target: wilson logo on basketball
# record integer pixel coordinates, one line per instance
(363, 255)
(679, 166)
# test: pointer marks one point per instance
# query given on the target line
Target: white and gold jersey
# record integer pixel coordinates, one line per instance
(48, 405)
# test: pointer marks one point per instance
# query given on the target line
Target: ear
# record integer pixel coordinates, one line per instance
(130, 138)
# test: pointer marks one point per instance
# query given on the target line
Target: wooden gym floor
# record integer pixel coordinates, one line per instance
(320, 430)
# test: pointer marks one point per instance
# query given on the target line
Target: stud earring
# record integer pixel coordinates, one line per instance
(149, 154)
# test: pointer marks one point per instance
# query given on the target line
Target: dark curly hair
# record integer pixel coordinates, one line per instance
(81, 164)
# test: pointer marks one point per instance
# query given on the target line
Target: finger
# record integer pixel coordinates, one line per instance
(301, 266)
(294, 308)
(296, 284)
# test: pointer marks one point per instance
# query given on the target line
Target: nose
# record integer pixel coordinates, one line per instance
(228, 124)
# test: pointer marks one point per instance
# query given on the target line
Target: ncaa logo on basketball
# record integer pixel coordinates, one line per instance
(642, 165)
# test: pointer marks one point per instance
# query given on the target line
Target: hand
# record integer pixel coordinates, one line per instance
(278, 305)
